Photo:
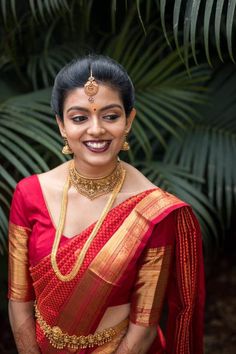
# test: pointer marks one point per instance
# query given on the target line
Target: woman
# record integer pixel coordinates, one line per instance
(95, 248)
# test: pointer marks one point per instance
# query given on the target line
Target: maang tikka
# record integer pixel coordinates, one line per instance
(91, 87)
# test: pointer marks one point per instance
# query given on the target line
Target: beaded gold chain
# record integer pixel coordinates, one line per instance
(69, 276)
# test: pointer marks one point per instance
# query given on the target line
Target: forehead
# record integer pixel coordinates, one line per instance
(105, 96)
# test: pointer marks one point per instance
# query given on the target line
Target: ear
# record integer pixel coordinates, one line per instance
(130, 119)
(61, 126)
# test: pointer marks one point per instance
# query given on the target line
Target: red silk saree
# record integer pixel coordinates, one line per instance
(147, 252)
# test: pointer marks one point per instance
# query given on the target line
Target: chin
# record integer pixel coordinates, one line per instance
(100, 160)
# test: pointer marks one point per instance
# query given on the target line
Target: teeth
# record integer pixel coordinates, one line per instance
(98, 145)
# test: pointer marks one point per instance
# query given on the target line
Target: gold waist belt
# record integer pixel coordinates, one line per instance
(60, 340)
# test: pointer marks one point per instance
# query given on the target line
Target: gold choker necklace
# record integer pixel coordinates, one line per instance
(95, 187)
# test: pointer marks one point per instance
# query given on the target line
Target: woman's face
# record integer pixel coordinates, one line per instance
(95, 131)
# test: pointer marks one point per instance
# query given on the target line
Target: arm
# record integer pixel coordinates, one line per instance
(20, 287)
(137, 340)
(21, 315)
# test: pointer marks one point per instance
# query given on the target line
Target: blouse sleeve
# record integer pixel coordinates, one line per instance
(20, 283)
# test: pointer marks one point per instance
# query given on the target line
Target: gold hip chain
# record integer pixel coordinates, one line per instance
(61, 340)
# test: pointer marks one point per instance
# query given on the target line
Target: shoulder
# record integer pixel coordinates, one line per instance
(31, 184)
(55, 177)
(26, 184)
(135, 181)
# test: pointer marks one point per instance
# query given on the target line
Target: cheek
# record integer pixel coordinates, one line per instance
(73, 130)
(119, 130)
(119, 134)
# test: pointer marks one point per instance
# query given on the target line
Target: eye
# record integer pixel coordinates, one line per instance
(79, 119)
(111, 117)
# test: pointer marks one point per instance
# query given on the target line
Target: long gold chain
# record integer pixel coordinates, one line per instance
(69, 276)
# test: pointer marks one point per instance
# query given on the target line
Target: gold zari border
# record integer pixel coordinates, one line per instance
(20, 282)
(151, 286)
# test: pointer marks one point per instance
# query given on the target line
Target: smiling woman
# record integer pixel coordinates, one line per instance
(95, 249)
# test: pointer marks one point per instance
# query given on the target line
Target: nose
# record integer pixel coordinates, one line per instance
(95, 128)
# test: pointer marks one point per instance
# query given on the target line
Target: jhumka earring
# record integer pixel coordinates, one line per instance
(125, 146)
(66, 148)
(91, 87)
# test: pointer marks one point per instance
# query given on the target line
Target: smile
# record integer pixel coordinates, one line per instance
(97, 146)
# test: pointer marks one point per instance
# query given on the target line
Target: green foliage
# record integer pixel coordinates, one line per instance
(214, 19)
(164, 91)
(28, 132)
(208, 147)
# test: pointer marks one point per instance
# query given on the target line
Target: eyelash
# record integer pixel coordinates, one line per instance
(109, 117)
(79, 119)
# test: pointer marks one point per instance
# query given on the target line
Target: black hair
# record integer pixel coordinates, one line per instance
(104, 69)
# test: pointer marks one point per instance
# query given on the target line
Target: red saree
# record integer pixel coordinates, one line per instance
(147, 252)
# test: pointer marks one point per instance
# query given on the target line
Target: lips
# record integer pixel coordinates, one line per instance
(97, 146)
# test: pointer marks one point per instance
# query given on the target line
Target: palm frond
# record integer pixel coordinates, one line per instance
(40, 10)
(180, 182)
(209, 146)
(158, 81)
(26, 126)
(42, 68)
(191, 17)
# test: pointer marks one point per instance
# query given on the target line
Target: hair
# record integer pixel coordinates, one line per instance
(105, 71)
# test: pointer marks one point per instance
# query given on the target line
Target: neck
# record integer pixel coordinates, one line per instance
(91, 171)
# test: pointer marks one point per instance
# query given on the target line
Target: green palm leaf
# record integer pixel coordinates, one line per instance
(42, 68)
(26, 126)
(41, 10)
(180, 182)
(158, 81)
(193, 23)
(209, 146)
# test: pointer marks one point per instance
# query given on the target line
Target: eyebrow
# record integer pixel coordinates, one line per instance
(78, 108)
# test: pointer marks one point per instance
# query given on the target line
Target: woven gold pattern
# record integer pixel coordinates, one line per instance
(20, 282)
(60, 340)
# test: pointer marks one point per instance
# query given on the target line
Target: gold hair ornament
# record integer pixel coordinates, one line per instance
(91, 87)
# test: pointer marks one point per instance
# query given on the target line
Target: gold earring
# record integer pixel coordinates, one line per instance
(66, 148)
(125, 146)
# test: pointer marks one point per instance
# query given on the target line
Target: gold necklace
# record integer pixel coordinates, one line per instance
(95, 187)
(80, 259)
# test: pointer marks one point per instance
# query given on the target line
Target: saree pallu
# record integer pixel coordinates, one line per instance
(148, 250)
